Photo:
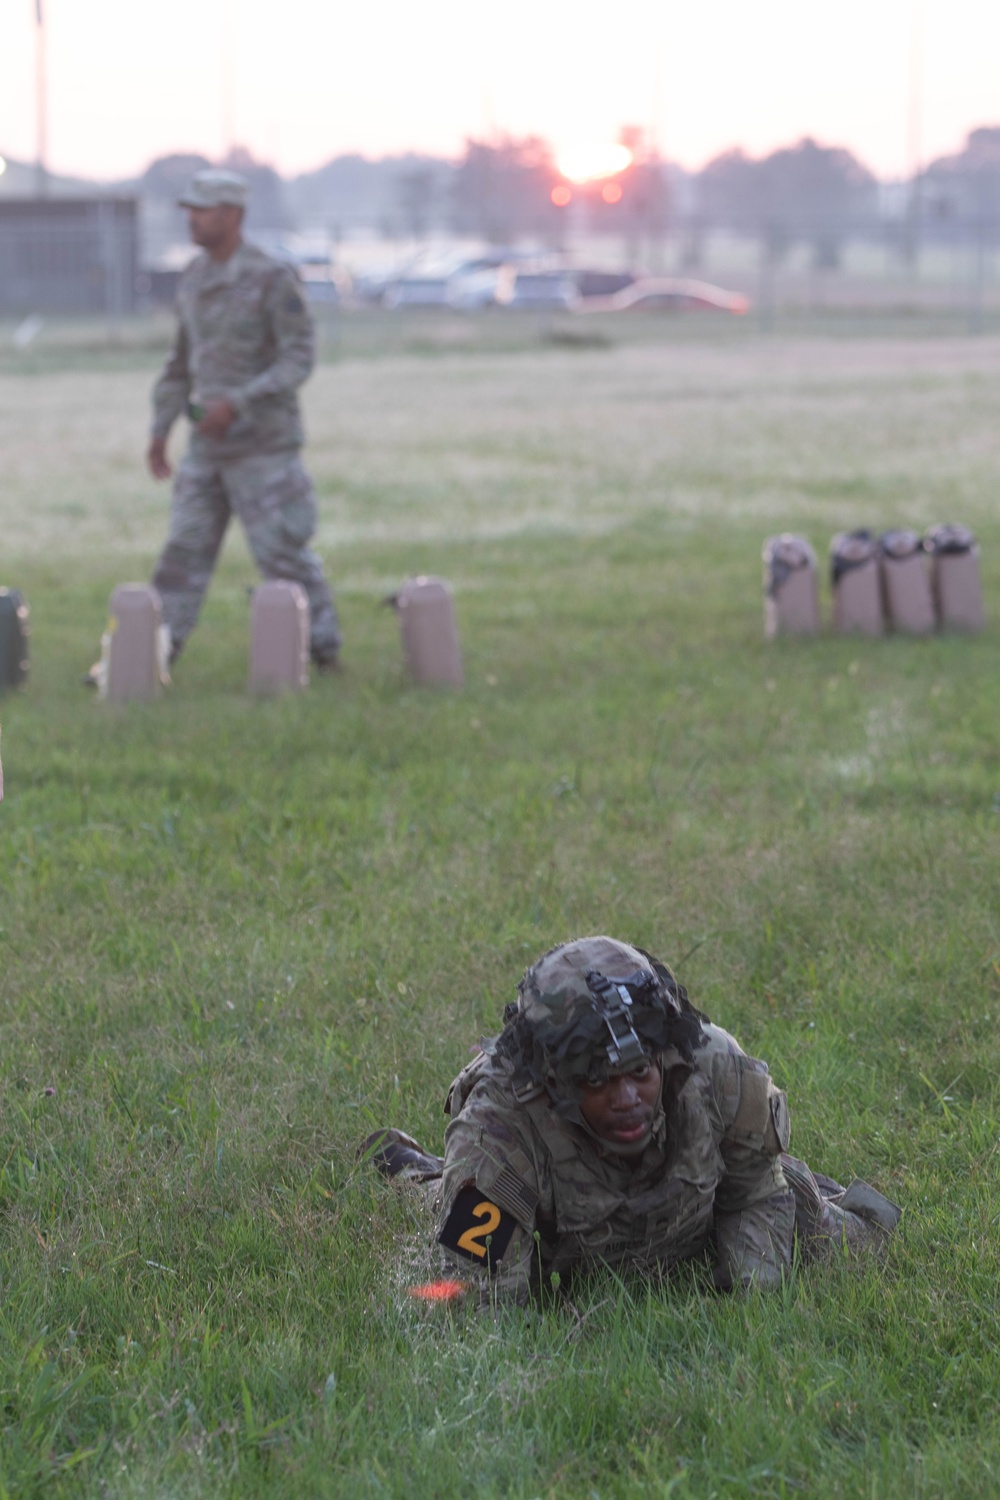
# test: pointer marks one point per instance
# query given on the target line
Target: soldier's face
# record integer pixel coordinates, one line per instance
(620, 1110)
(212, 227)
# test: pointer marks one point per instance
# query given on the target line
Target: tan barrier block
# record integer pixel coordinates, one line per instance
(854, 575)
(430, 638)
(956, 586)
(906, 588)
(134, 647)
(279, 638)
(13, 638)
(791, 594)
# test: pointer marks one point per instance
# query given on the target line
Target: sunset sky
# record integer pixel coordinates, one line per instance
(301, 81)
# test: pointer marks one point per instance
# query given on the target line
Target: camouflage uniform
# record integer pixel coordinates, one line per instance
(712, 1175)
(244, 333)
(712, 1168)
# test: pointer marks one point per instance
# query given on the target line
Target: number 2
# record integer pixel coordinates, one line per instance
(472, 1237)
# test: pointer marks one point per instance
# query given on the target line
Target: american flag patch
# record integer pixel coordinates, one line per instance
(514, 1195)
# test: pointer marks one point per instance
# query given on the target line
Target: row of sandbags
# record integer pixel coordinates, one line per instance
(895, 581)
(135, 648)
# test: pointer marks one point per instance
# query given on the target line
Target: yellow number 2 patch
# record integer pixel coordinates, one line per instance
(476, 1228)
(477, 1240)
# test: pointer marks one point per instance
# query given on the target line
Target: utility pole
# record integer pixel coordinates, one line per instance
(914, 142)
(41, 106)
(226, 44)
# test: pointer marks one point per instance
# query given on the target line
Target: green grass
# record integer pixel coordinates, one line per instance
(236, 935)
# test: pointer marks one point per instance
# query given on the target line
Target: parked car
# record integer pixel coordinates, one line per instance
(671, 293)
(545, 291)
(327, 285)
(417, 291)
(483, 282)
(312, 256)
(594, 283)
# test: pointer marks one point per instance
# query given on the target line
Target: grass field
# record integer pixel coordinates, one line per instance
(235, 936)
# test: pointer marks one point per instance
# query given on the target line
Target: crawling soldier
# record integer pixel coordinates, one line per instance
(611, 1122)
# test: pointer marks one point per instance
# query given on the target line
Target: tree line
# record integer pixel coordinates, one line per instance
(507, 188)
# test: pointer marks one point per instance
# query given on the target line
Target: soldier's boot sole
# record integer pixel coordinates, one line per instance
(396, 1154)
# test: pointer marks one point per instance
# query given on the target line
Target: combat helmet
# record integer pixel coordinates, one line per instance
(588, 1009)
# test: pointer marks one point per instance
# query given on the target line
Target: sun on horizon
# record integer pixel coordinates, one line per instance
(592, 161)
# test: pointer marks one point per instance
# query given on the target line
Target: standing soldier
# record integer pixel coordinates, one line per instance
(244, 345)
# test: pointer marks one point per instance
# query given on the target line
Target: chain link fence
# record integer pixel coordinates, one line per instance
(68, 256)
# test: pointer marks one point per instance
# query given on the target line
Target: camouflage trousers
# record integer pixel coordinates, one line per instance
(829, 1216)
(274, 499)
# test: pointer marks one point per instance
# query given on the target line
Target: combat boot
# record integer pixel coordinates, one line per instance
(395, 1154)
(828, 1215)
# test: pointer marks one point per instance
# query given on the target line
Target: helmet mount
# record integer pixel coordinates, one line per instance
(613, 998)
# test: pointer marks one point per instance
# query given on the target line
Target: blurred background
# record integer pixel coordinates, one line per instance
(830, 163)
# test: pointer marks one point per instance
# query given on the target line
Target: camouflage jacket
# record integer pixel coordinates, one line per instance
(244, 332)
(711, 1175)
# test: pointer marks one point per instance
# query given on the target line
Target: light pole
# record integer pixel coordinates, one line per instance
(914, 144)
(226, 45)
(41, 106)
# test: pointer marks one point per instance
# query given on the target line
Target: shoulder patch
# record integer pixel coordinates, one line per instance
(761, 1120)
(477, 1228)
(754, 1110)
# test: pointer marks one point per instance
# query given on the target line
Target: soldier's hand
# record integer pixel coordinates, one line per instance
(220, 414)
(156, 458)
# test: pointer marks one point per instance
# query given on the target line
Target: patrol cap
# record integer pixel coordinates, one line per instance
(213, 186)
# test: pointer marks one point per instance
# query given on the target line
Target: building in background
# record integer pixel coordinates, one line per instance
(68, 255)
